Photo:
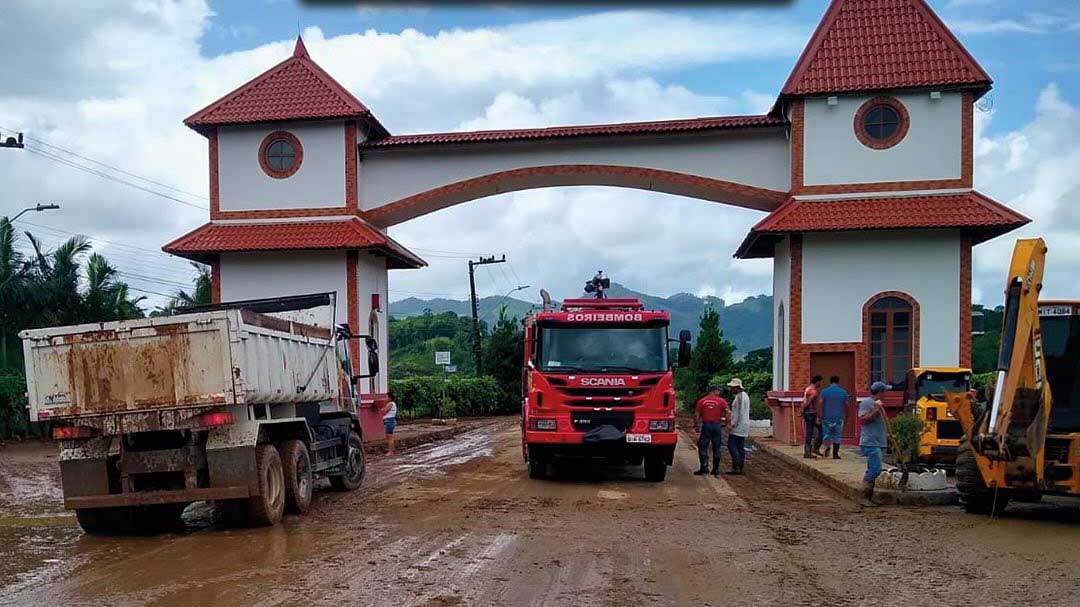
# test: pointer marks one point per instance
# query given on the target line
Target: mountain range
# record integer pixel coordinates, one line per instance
(747, 324)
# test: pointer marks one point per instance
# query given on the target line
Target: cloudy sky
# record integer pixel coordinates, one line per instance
(105, 86)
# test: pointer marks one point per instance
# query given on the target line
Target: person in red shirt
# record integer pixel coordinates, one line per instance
(711, 414)
(811, 411)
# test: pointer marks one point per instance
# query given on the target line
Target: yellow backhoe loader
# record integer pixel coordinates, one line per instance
(1026, 443)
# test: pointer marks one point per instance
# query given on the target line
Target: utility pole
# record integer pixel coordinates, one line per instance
(475, 306)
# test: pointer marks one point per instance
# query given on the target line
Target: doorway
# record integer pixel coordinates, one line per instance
(842, 364)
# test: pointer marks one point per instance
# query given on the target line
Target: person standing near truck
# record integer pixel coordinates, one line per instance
(711, 413)
(389, 422)
(810, 409)
(739, 427)
(833, 403)
(872, 440)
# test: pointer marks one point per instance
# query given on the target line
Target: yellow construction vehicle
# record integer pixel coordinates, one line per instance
(1027, 442)
(926, 390)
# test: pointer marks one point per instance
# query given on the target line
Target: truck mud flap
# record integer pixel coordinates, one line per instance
(84, 477)
(233, 467)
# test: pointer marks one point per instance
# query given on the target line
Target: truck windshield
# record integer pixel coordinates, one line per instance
(603, 349)
(935, 385)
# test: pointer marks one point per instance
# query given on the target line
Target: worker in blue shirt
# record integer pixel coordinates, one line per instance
(834, 401)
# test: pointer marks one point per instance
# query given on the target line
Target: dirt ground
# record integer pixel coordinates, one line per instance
(459, 523)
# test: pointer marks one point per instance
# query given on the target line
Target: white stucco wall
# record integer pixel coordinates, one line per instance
(255, 275)
(930, 150)
(842, 271)
(781, 292)
(320, 181)
(759, 158)
(372, 278)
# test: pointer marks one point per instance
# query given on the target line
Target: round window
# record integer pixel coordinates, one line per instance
(881, 123)
(280, 154)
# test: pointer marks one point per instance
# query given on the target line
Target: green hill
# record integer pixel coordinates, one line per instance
(747, 323)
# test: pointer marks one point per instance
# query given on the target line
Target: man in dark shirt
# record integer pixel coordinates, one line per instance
(711, 413)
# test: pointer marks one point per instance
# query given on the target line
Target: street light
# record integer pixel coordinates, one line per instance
(38, 208)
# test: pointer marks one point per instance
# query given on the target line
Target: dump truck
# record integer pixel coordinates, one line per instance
(1026, 442)
(597, 383)
(926, 390)
(234, 403)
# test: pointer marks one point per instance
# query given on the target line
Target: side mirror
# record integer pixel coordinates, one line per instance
(685, 335)
(684, 353)
(519, 351)
(342, 331)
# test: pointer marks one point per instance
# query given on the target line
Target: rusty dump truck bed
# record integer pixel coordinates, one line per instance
(195, 360)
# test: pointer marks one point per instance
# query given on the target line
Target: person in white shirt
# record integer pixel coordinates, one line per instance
(739, 426)
(389, 421)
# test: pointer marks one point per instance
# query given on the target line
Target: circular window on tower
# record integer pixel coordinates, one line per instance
(881, 123)
(280, 154)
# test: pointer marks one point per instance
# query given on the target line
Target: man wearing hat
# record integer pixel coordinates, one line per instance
(712, 414)
(872, 440)
(739, 427)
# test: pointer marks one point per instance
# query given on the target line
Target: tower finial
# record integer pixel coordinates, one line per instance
(300, 50)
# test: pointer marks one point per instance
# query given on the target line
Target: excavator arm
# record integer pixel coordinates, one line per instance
(1008, 439)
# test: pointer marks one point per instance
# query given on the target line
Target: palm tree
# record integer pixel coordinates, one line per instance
(106, 298)
(13, 268)
(200, 295)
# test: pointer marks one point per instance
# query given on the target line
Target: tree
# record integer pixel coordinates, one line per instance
(711, 356)
(498, 355)
(756, 361)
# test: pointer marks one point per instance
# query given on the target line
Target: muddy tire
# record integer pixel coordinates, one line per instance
(354, 467)
(104, 521)
(265, 509)
(296, 464)
(537, 468)
(655, 468)
(975, 496)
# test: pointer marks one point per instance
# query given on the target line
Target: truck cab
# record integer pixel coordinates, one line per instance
(598, 383)
(926, 387)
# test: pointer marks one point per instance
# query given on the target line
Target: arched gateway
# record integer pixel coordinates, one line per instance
(863, 164)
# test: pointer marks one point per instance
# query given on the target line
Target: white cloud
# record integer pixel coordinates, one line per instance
(1033, 170)
(113, 80)
(993, 26)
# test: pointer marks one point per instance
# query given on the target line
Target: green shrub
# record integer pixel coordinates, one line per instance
(13, 417)
(907, 431)
(434, 396)
(756, 384)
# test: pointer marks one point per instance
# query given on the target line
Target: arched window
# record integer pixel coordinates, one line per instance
(781, 348)
(891, 331)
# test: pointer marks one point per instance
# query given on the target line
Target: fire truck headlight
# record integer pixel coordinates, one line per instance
(543, 424)
(659, 425)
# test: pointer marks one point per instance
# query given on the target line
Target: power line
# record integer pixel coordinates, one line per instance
(56, 237)
(109, 166)
(103, 175)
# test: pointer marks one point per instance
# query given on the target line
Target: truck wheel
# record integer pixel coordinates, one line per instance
(975, 496)
(265, 509)
(298, 482)
(97, 521)
(655, 468)
(537, 468)
(354, 467)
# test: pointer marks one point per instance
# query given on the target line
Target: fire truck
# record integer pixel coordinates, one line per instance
(597, 383)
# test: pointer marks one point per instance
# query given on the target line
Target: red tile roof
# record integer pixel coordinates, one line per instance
(594, 130)
(972, 212)
(295, 89)
(341, 234)
(881, 44)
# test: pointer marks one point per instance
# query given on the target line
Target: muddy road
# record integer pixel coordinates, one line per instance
(458, 523)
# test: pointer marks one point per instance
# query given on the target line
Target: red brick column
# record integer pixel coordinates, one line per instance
(965, 301)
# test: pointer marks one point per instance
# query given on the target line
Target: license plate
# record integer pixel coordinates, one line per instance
(639, 438)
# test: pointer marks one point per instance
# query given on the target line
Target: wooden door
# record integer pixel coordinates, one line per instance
(827, 364)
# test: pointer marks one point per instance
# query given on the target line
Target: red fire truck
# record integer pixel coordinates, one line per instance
(597, 383)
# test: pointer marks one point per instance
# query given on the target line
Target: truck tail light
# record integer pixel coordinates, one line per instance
(660, 425)
(543, 424)
(70, 432)
(217, 418)
(931, 413)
